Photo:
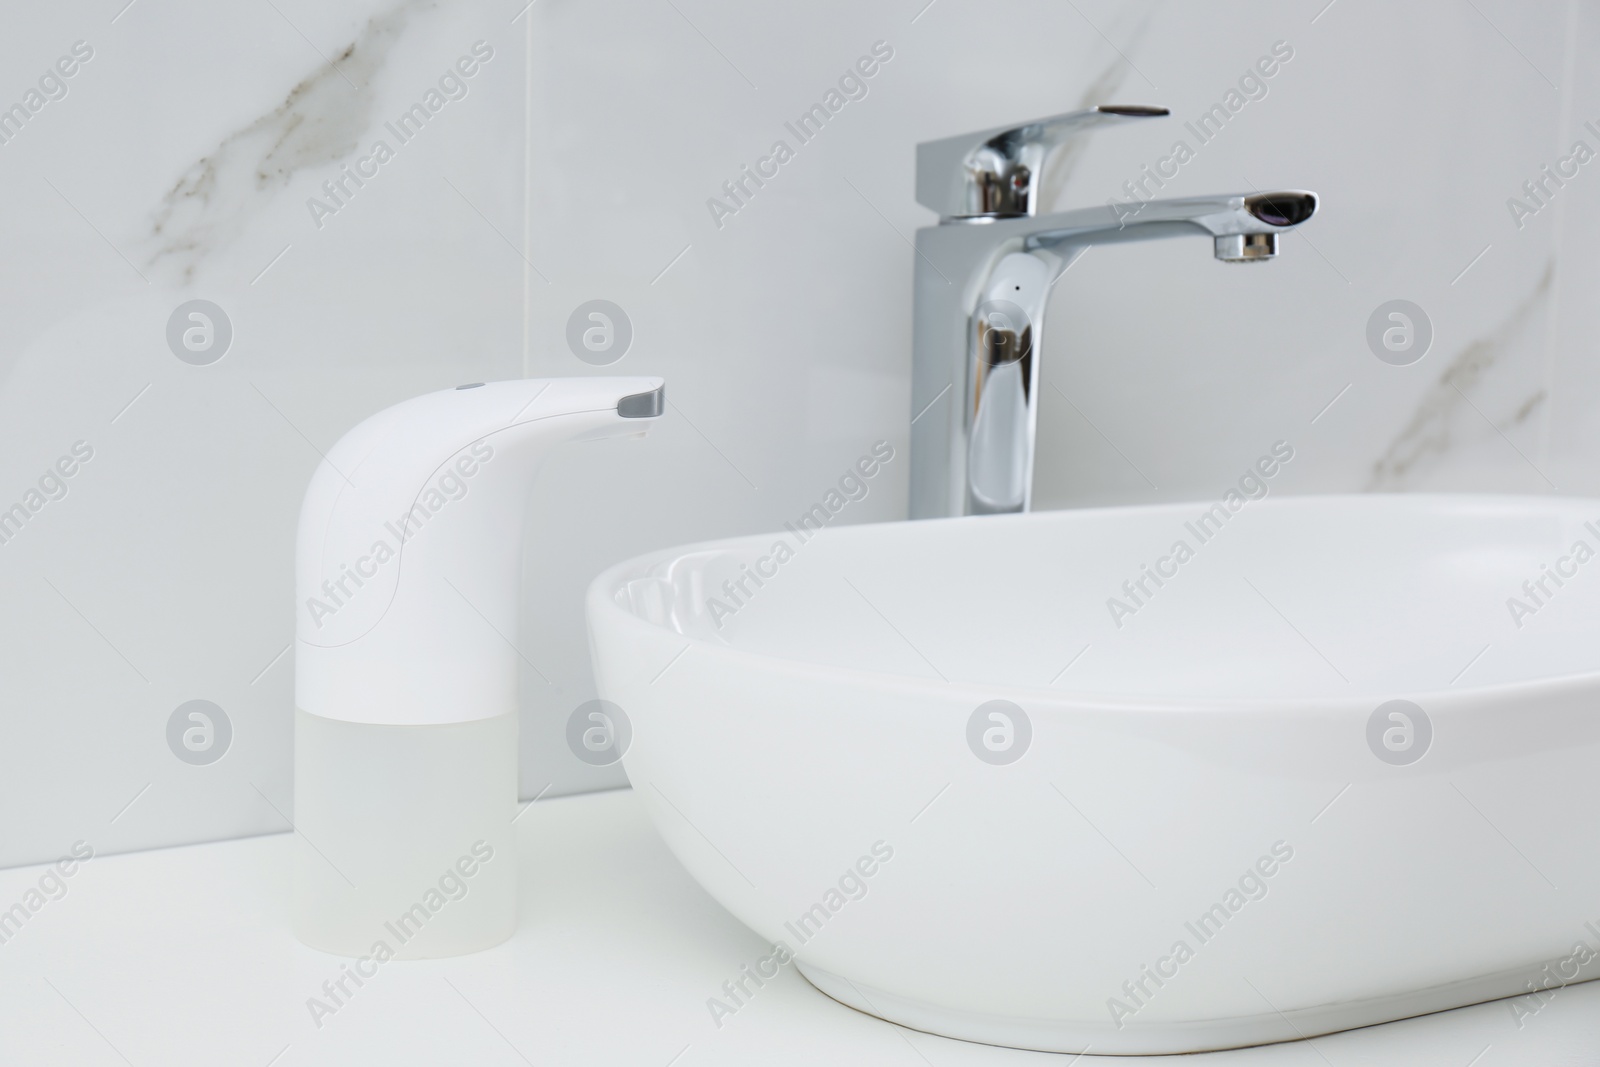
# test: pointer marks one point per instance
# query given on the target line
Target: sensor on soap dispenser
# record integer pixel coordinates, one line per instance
(406, 656)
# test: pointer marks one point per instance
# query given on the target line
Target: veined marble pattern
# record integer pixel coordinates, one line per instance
(1455, 407)
(319, 122)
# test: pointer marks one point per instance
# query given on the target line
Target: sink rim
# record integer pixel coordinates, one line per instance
(601, 596)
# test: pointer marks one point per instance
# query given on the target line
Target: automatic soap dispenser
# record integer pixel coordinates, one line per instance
(406, 661)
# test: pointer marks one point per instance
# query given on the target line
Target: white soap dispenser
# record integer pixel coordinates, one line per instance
(406, 659)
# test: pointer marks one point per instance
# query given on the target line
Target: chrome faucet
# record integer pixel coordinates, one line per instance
(983, 276)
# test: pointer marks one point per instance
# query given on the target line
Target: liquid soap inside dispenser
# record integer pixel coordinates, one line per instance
(419, 818)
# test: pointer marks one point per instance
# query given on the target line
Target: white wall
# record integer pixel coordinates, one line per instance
(784, 333)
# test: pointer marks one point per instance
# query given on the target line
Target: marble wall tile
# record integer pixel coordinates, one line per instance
(179, 166)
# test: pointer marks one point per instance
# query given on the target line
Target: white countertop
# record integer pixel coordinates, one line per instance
(184, 956)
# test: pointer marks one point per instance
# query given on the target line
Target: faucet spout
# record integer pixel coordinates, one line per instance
(1238, 221)
(983, 278)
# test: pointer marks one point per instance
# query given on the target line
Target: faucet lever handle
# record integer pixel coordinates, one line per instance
(995, 173)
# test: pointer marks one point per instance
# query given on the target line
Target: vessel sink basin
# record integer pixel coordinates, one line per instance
(1333, 766)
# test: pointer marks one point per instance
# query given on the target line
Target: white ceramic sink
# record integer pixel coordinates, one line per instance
(1213, 829)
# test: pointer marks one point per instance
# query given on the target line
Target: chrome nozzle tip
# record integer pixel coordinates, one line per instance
(1247, 247)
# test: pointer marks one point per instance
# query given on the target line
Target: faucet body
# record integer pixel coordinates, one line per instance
(983, 280)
